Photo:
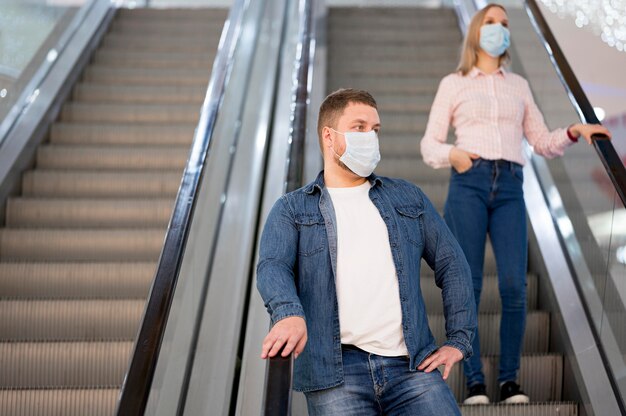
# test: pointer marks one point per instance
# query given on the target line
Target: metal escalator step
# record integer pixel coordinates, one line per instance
(403, 145)
(130, 94)
(112, 157)
(94, 213)
(131, 134)
(191, 16)
(81, 280)
(403, 53)
(377, 85)
(69, 320)
(531, 409)
(128, 113)
(59, 184)
(536, 337)
(489, 299)
(38, 365)
(143, 27)
(58, 402)
(541, 377)
(194, 44)
(387, 36)
(136, 60)
(346, 69)
(18, 244)
(158, 76)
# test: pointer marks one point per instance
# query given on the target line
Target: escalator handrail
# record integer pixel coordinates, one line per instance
(278, 377)
(604, 148)
(137, 383)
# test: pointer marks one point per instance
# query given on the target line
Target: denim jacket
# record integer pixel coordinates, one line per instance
(297, 268)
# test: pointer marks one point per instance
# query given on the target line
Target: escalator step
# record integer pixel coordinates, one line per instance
(81, 244)
(129, 113)
(38, 365)
(113, 134)
(112, 157)
(58, 402)
(415, 170)
(94, 213)
(130, 94)
(490, 298)
(191, 16)
(79, 280)
(69, 320)
(536, 338)
(193, 44)
(155, 77)
(57, 183)
(541, 377)
(532, 409)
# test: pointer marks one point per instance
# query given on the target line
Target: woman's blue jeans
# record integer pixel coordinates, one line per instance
(375, 385)
(489, 199)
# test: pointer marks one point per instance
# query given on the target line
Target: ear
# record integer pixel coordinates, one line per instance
(327, 136)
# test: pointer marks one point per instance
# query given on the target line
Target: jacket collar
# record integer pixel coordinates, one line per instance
(318, 183)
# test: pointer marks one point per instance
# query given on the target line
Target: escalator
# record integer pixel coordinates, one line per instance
(81, 240)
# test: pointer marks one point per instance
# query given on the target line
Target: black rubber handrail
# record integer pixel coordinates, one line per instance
(138, 380)
(609, 157)
(279, 370)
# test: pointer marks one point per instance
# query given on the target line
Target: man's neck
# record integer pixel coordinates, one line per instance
(337, 177)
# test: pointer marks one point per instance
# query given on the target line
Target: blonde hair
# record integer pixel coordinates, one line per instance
(471, 43)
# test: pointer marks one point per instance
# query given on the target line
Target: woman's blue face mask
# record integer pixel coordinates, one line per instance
(495, 39)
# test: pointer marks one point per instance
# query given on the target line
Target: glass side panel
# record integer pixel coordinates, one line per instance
(593, 226)
(29, 31)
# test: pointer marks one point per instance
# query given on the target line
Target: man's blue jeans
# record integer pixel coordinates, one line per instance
(376, 385)
(489, 199)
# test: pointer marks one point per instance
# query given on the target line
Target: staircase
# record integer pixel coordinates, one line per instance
(400, 55)
(79, 248)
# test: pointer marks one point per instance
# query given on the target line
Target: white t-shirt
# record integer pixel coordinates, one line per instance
(370, 315)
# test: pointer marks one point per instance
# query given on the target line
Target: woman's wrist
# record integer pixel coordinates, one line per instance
(573, 133)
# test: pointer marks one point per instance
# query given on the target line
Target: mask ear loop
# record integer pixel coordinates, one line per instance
(333, 147)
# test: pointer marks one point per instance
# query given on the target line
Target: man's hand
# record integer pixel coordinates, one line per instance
(290, 331)
(461, 160)
(445, 355)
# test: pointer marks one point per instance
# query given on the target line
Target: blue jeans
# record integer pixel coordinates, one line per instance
(376, 385)
(489, 199)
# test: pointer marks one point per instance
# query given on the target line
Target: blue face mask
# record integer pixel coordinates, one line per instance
(494, 39)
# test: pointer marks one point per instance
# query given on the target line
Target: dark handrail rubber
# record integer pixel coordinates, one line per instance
(138, 381)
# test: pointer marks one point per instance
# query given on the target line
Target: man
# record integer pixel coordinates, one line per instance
(339, 271)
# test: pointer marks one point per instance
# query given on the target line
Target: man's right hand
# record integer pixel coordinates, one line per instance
(290, 332)
(461, 160)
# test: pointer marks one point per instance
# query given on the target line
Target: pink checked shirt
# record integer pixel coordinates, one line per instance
(491, 114)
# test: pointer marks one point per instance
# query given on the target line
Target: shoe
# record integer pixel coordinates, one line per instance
(511, 393)
(477, 395)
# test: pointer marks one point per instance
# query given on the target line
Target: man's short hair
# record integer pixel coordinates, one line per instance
(334, 104)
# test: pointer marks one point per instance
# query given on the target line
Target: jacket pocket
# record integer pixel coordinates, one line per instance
(312, 234)
(410, 222)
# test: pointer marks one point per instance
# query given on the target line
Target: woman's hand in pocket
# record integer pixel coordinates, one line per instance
(461, 160)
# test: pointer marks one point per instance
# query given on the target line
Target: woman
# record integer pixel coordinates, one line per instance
(491, 109)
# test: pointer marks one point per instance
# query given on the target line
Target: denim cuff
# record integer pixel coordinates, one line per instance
(466, 349)
(286, 311)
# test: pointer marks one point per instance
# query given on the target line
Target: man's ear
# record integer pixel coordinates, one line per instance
(327, 136)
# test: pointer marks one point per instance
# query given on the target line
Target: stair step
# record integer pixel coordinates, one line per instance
(201, 45)
(531, 409)
(396, 53)
(540, 375)
(116, 134)
(112, 157)
(404, 145)
(489, 299)
(389, 35)
(75, 280)
(393, 69)
(92, 213)
(411, 169)
(37, 365)
(129, 113)
(69, 320)
(59, 184)
(58, 402)
(378, 85)
(157, 76)
(536, 337)
(142, 94)
(19, 244)
(125, 59)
